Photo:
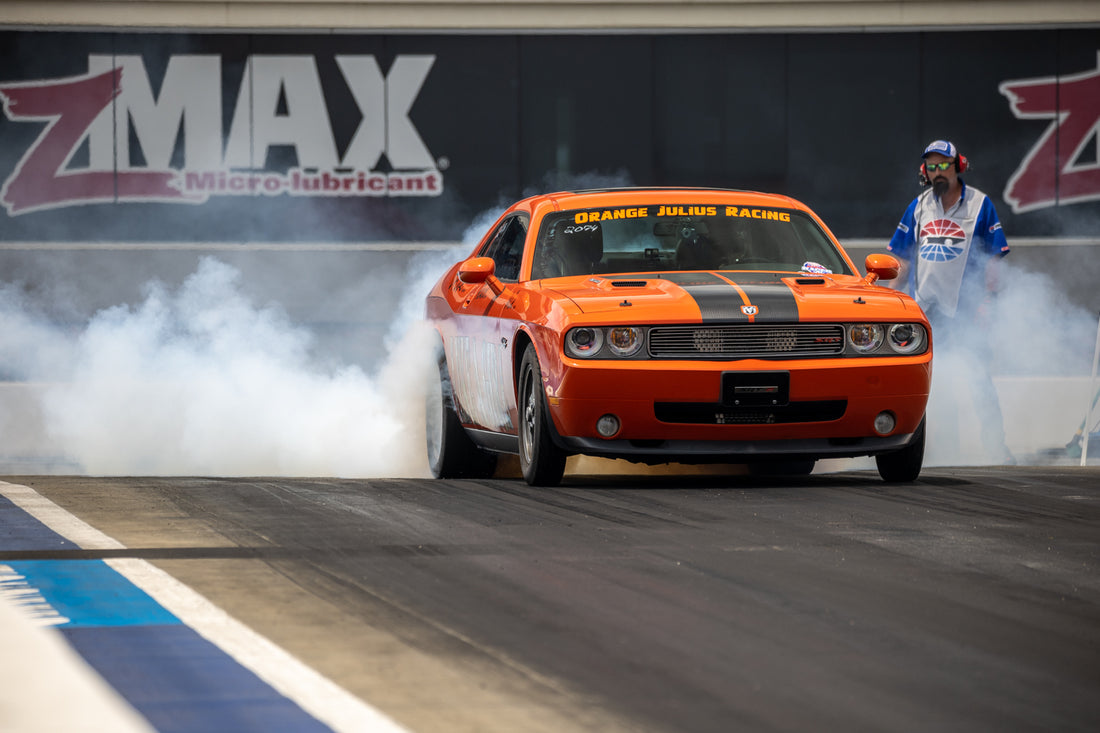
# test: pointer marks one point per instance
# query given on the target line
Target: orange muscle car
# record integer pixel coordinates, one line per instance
(672, 325)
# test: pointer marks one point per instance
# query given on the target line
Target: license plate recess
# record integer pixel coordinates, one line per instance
(752, 389)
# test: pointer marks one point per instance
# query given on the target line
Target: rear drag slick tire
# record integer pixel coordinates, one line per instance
(451, 453)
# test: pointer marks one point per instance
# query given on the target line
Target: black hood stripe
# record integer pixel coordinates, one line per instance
(720, 299)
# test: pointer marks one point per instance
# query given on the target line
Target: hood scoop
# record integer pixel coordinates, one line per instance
(628, 283)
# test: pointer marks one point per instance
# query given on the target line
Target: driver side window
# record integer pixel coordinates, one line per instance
(506, 247)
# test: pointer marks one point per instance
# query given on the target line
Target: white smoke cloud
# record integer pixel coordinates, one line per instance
(1037, 347)
(30, 348)
(203, 381)
(200, 380)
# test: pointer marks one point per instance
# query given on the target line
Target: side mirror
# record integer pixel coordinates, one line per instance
(881, 267)
(476, 270)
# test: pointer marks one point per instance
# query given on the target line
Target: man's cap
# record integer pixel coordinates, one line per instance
(942, 147)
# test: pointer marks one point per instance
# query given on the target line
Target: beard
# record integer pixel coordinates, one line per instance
(940, 186)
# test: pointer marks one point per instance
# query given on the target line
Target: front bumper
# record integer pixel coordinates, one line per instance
(678, 408)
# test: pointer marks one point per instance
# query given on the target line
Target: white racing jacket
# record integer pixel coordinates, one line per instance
(953, 247)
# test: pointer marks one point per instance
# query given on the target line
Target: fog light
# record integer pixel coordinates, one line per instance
(885, 423)
(607, 426)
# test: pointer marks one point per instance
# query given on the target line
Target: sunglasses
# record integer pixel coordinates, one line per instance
(939, 166)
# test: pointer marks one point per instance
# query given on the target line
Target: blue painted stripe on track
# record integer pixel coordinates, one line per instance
(91, 593)
(182, 683)
(179, 681)
(20, 531)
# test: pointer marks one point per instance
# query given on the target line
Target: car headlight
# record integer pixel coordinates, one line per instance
(624, 340)
(583, 343)
(906, 338)
(587, 342)
(886, 339)
(865, 338)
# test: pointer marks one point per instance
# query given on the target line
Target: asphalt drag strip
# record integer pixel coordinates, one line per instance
(968, 600)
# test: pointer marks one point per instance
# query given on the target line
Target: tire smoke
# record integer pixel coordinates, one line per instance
(202, 381)
(1036, 347)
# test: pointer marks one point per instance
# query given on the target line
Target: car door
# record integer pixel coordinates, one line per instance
(507, 252)
(481, 352)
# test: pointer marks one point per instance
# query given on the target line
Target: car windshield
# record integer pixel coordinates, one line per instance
(677, 237)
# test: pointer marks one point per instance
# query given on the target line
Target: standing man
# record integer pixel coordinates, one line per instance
(949, 242)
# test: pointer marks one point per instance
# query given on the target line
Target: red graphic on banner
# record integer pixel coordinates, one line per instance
(102, 117)
(40, 179)
(1053, 173)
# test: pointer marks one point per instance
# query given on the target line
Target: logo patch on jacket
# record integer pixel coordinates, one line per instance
(941, 240)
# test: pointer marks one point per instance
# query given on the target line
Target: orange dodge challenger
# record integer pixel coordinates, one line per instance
(672, 325)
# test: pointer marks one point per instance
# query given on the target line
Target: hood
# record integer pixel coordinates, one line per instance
(756, 297)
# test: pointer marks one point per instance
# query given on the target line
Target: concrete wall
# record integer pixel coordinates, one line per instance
(542, 15)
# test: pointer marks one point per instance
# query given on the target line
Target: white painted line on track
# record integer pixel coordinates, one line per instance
(57, 519)
(46, 687)
(314, 693)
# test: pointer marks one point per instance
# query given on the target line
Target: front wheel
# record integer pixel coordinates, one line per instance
(904, 465)
(451, 453)
(542, 462)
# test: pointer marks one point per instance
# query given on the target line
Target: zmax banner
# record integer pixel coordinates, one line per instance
(280, 103)
(298, 138)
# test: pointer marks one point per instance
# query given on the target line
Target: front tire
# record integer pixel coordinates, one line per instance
(451, 453)
(542, 462)
(903, 466)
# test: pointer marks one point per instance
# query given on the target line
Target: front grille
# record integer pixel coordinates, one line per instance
(744, 341)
